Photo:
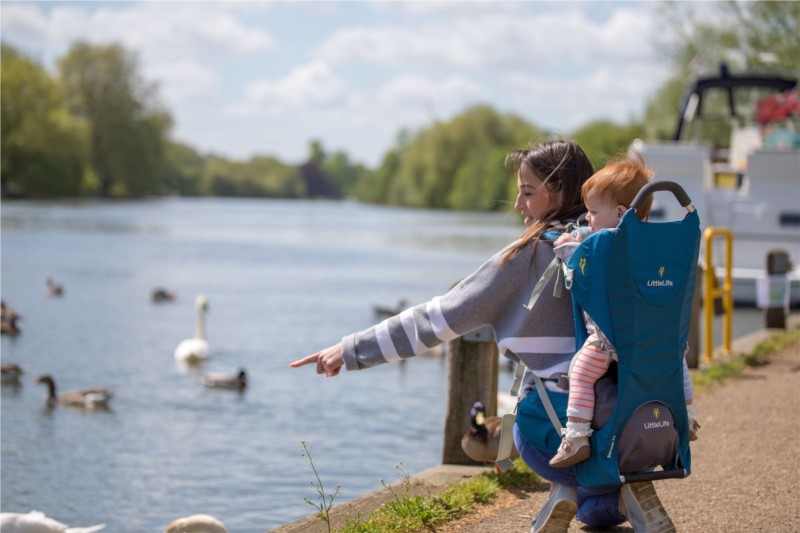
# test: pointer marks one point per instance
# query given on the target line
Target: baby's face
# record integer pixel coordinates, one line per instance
(603, 212)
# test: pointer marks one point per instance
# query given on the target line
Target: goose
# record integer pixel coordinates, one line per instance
(198, 523)
(10, 373)
(37, 522)
(8, 320)
(162, 295)
(386, 312)
(196, 349)
(53, 289)
(8, 326)
(226, 381)
(86, 398)
(480, 443)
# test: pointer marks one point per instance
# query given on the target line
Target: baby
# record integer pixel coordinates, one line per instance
(607, 195)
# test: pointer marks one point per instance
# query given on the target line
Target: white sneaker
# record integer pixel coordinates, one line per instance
(558, 511)
(644, 510)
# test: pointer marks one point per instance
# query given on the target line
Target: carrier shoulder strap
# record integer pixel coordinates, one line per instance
(555, 265)
(548, 405)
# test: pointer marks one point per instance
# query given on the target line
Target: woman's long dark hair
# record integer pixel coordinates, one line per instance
(563, 167)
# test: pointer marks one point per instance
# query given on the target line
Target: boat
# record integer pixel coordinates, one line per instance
(736, 152)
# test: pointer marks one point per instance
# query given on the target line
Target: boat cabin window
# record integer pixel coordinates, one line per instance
(731, 126)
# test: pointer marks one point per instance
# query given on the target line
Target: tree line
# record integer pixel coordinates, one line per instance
(97, 128)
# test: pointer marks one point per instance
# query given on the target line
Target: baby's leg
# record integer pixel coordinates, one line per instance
(590, 365)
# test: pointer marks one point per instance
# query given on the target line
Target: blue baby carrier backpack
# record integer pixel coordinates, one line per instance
(637, 283)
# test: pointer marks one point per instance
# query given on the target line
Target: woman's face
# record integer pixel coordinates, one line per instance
(533, 197)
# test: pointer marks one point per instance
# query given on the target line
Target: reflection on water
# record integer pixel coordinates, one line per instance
(283, 279)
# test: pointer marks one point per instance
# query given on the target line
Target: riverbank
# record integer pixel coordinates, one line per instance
(744, 473)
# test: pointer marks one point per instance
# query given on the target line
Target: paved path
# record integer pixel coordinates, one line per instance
(745, 464)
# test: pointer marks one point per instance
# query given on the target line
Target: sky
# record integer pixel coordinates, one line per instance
(265, 78)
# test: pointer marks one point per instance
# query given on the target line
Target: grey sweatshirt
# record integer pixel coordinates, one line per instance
(543, 338)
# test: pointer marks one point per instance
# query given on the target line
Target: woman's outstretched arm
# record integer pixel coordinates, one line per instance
(329, 361)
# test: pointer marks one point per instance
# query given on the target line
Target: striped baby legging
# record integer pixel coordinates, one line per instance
(591, 362)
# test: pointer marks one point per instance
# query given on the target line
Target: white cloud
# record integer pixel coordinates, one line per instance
(313, 85)
(156, 29)
(183, 80)
(608, 92)
(415, 91)
(504, 40)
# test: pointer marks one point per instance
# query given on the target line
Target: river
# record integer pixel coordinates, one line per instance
(283, 279)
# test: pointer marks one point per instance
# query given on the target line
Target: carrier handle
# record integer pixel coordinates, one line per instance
(670, 186)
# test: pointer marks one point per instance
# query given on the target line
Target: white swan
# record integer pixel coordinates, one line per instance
(37, 522)
(196, 349)
(198, 523)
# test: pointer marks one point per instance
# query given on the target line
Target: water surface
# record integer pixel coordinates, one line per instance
(284, 279)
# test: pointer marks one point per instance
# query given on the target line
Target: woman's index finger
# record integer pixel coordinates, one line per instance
(305, 360)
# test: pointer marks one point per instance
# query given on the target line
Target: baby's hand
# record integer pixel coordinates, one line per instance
(564, 239)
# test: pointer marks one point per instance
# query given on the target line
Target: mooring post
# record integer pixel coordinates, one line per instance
(778, 266)
(471, 376)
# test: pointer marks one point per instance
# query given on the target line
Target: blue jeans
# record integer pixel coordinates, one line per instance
(596, 507)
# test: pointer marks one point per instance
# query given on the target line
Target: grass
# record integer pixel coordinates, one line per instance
(721, 371)
(407, 512)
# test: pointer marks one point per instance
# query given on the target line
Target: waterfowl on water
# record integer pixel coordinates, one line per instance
(162, 295)
(8, 320)
(11, 372)
(386, 312)
(52, 288)
(86, 398)
(37, 522)
(198, 523)
(482, 440)
(226, 381)
(195, 349)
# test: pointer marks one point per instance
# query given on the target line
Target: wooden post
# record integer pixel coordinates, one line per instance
(471, 376)
(693, 355)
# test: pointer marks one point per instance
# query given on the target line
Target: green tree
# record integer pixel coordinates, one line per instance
(44, 149)
(183, 169)
(456, 164)
(128, 127)
(603, 140)
(262, 176)
(276, 179)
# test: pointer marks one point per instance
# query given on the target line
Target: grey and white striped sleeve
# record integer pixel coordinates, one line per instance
(472, 303)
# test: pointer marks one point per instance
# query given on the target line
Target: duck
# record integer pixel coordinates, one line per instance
(196, 349)
(197, 523)
(386, 312)
(10, 373)
(52, 288)
(482, 440)
(226, 381)
(8, 320)
(37, 522)
(86, 398)
(161, 294)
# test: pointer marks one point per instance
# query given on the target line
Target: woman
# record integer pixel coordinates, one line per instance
(549, 180)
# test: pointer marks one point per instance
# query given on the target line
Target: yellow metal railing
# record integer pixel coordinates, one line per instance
(712, 291)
